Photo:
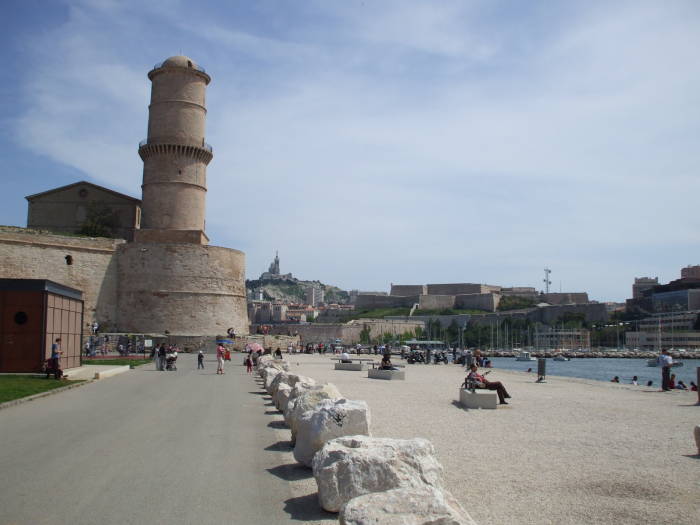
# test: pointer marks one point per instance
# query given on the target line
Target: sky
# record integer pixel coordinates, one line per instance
(395, 141)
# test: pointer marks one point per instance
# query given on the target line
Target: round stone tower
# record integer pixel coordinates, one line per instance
(170, 279)
(175, 155)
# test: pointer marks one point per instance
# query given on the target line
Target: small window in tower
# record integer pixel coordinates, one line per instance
(69, 260)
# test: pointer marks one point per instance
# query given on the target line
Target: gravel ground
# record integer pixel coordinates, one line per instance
(568, 451)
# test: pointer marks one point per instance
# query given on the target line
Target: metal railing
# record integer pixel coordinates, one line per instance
(204, 145)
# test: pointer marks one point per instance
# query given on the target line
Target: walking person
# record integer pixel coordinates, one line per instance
(55, 360)
(220, 352)
(200, 360)
(161, 357)
(665, 362)
(248, 365)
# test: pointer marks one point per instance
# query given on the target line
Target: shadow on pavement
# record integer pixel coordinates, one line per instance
(277, 424)
(291, 472)
(280, 446)
(305, 508)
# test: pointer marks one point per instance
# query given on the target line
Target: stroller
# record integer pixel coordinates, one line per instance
(170, 361)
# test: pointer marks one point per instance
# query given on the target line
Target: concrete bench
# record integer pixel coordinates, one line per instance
(350, 366)
(376, 373)
(479, 398)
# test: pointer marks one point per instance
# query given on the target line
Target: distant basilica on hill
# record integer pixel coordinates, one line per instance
(273, 272)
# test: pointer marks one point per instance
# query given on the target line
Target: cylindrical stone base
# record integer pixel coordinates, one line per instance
(184, 289)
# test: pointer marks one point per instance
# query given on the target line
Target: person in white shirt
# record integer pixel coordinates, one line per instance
(345, 358)
(665, 362)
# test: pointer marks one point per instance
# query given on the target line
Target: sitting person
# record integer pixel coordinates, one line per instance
(386, 363)
(345, 357)
(479, 381)
(278, 354)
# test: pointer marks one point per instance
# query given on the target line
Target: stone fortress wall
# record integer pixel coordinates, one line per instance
(348, 333)
(28, 254)
(182, 288)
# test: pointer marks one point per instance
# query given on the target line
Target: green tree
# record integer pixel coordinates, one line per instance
(100, 220)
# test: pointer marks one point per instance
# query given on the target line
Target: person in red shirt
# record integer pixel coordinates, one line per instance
(481, 382)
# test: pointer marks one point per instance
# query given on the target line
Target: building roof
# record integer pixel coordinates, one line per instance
(62, 188)
(40, 285)
(179, 61)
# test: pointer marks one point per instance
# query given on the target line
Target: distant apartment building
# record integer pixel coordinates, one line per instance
(690, 272)
(641, 284)
(314, 295)
(259, 312)
(562, 339)
(279, 313)
(672, 330)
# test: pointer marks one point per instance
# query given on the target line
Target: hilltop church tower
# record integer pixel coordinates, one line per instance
(170, 279)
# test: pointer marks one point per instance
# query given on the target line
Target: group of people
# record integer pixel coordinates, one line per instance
(164, 356)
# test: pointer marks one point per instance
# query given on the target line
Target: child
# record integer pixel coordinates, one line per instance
(200, 360)
(249, 365)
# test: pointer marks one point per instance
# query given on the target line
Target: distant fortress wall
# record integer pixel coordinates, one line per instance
(460, 288)
(348, 333)
(436, 302)
(408, 289)
(478, 301)
(385, 301)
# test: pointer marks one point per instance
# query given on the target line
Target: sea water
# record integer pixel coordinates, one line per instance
(604, 369)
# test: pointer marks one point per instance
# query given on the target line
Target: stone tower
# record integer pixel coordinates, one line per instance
(175, 155)
(170, 279)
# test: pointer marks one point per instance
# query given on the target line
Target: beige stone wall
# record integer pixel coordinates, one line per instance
(408, 289)
(349, 333)
(29, 255)
(436, 302)
(481, 301)
(460, 288)
(66, 210)
(182, 288)
(384, 301)
(566, 298)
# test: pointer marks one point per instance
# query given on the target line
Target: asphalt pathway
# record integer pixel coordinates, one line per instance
(184, 447)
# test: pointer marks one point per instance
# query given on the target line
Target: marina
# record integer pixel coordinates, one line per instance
(603, 369)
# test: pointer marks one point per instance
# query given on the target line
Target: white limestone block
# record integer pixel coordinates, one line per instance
(329, 419)
(281, 397)
(351, 466)
(405, 506)
(305, 397)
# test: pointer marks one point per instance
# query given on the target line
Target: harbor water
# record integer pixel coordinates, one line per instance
(604, 369)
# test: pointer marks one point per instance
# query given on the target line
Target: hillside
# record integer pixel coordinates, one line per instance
(292, 290)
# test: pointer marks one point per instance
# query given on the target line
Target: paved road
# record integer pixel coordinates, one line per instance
(143, 447)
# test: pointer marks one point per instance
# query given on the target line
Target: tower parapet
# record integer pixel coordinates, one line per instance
(175, 155)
